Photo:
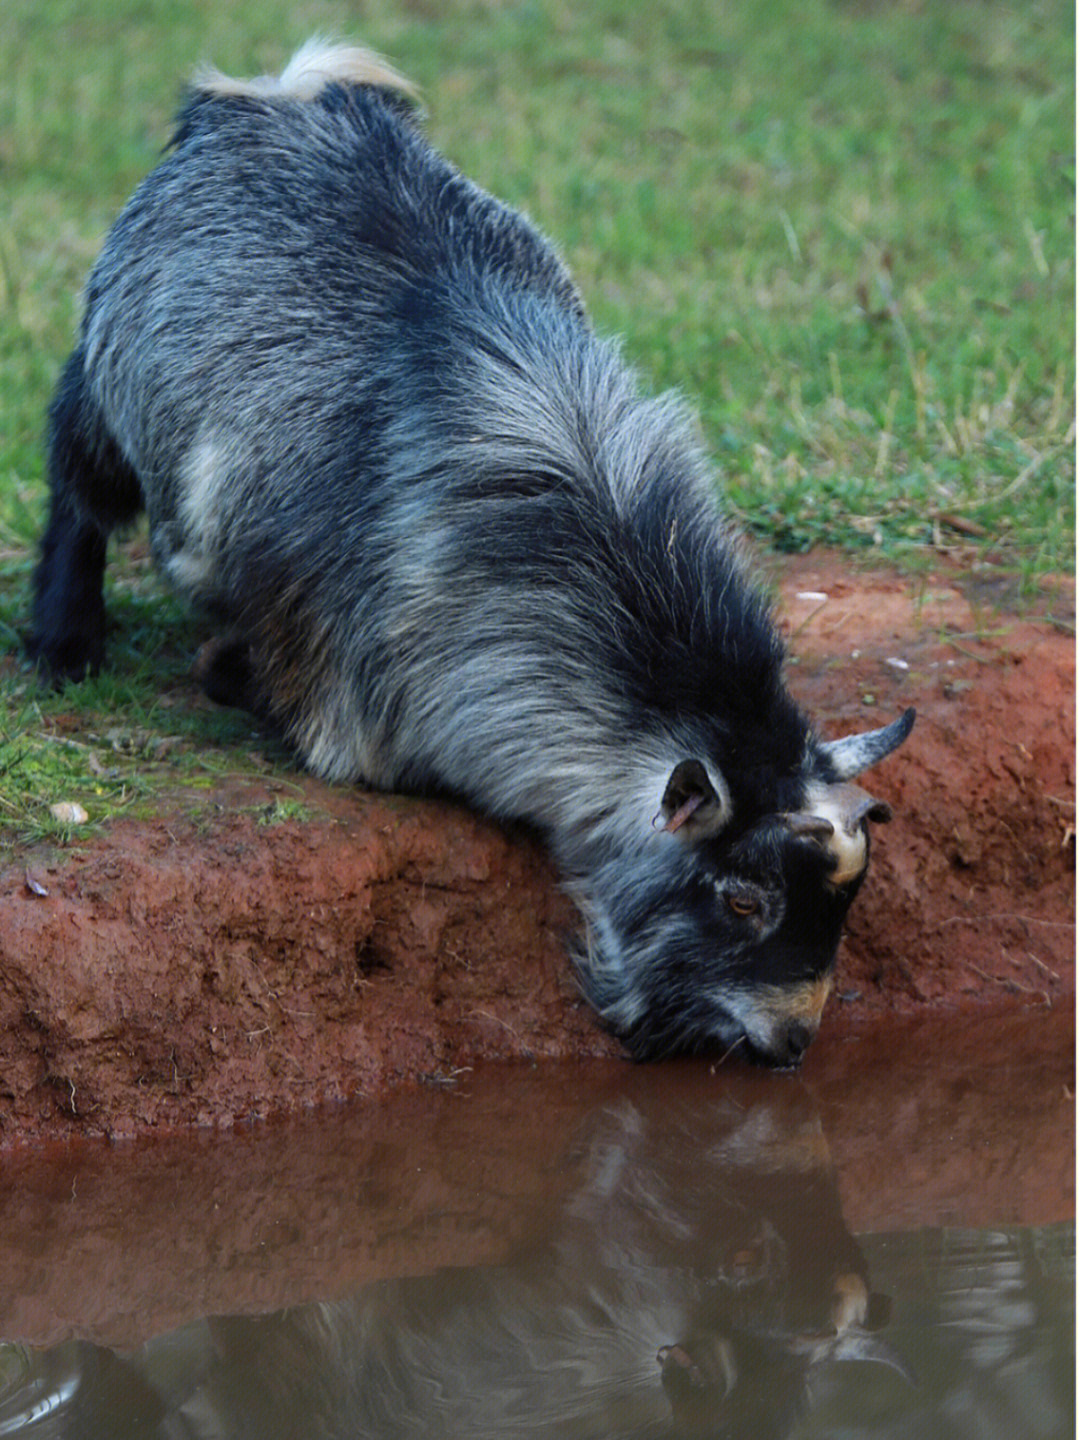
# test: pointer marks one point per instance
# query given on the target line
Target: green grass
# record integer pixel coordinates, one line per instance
(843, 230)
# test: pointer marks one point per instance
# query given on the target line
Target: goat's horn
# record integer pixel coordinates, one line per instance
(855, 753)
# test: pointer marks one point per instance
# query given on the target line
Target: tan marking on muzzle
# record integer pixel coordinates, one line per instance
(785, 1003)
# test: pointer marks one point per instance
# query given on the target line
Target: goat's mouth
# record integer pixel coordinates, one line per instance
(780, 1048)
(784, 1052)
(777, 1067)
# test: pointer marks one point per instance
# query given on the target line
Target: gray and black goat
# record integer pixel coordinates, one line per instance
(451, 544)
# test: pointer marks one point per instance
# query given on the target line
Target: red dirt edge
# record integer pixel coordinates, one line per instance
(214, 965)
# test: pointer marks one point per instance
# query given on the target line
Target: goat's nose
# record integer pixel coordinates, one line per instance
(793, 1042)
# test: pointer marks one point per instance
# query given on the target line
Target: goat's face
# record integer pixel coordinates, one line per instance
(725, 938)
(723, 946)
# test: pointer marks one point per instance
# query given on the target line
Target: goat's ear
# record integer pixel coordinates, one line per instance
(693, 805)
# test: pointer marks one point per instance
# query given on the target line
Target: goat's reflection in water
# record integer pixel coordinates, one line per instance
(696, 1276)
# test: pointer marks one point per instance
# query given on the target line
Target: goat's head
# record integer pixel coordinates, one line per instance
(724, 933)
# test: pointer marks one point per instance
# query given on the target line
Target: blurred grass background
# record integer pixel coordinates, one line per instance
(843, 228)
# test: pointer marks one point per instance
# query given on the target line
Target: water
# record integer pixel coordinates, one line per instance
(883, 1247)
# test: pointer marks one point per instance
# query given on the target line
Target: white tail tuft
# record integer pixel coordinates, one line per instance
(315, 65)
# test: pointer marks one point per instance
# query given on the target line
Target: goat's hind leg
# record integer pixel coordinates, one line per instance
(224, 670)
(93, 490)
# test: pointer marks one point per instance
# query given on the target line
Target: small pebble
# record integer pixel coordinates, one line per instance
(69, 812)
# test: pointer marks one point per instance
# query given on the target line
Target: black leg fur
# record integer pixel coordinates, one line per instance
(223, 669)
(93, 489)
(68, 640)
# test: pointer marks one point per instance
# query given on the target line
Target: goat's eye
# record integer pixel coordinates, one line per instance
(743, 904)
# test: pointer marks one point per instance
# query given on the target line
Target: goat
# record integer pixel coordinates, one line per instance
(452, 545)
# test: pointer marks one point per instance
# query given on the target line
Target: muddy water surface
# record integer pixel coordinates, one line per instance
(881, 1246)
